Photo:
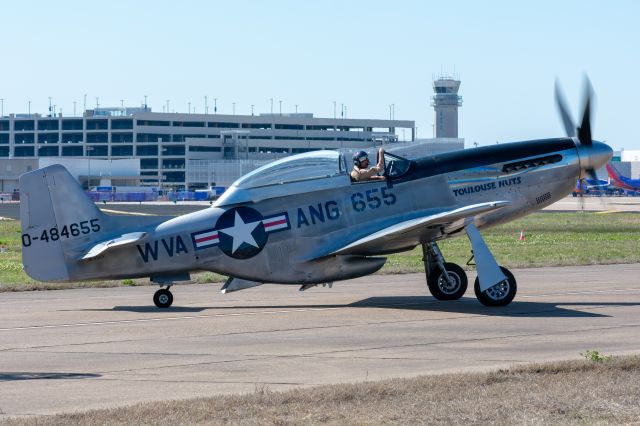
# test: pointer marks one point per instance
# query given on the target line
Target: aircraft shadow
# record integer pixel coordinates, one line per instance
(19, 375)
(465, 305)
(151, 309)
(472, 306)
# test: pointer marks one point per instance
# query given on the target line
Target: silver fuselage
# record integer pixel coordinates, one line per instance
(324, 215)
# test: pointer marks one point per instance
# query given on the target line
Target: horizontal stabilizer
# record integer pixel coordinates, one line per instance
(235, 284)
(123, 240)
(415, 226)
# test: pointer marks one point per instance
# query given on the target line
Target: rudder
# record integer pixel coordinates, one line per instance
(57, 219)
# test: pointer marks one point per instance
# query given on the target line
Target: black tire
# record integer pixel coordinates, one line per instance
(440, 287)
(163, 298)
(500, 294)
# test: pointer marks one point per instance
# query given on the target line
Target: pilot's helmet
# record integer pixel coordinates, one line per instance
(359, 156)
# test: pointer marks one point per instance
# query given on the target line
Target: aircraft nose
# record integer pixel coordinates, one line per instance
(594, 156)
(599, 154)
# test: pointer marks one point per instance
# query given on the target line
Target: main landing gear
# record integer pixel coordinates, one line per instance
(494, 286)
(446, 281)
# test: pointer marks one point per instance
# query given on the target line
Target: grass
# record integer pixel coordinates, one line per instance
(570, 392)
(551, 239)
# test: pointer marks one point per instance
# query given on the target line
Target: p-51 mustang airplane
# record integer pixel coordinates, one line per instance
(301, 220)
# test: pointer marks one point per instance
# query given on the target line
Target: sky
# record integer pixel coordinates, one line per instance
(365, 55)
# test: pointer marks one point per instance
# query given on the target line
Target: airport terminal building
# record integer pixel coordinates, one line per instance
(175, 148)
(191, 151)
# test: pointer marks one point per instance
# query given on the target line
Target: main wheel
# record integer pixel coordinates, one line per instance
(440, 287)
(500, 294)
(163, 298)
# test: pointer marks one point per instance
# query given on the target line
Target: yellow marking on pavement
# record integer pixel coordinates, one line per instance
(128, 213)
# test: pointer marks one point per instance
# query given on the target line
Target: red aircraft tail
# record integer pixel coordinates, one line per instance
(612, 172)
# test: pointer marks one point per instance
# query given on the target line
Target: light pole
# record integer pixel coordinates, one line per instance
(74, 108)
(334, 110)
(271, 99)
(189, 107)
(88, 150)
(145, 103)
(85, 104)
(215, 105)
(161, 175)
(252, 110)
(234, 108)
(30, 107)
(280, 107)
(206, 107)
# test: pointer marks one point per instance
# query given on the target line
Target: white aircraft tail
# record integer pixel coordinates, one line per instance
(58, 222)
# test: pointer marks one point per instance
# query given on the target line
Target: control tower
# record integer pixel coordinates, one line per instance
(445, 102)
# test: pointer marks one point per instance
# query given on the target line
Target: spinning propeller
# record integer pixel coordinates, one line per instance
(583, 133)
(593, 155)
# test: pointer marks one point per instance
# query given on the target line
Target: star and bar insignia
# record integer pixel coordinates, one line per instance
(241, 232)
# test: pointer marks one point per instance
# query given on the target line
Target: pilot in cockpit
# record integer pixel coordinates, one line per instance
(362, 172)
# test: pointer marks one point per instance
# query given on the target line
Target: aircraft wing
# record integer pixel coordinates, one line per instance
(415, 226)
(103, 246)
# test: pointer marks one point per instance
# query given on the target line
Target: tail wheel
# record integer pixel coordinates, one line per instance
(500, 294)
(163, 298)
(441, 288)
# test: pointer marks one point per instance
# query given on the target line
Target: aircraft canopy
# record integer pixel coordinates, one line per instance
(296, 168)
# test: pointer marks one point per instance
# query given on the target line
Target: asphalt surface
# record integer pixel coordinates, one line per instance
(72, 350)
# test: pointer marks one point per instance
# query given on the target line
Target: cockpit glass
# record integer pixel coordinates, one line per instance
(395, 166)
(310, 165)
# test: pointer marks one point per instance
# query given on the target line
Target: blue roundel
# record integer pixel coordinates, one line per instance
(241, 232)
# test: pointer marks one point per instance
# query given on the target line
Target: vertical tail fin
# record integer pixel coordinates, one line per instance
(612, 172)
(57, 219)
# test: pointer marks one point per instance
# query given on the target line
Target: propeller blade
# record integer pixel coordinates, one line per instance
(584, 131)
(592, 174)
(561, 103)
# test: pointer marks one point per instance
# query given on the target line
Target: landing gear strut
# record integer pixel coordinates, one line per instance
(446, 281)
(494, 286)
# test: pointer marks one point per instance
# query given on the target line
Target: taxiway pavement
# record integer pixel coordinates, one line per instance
(71, 350)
